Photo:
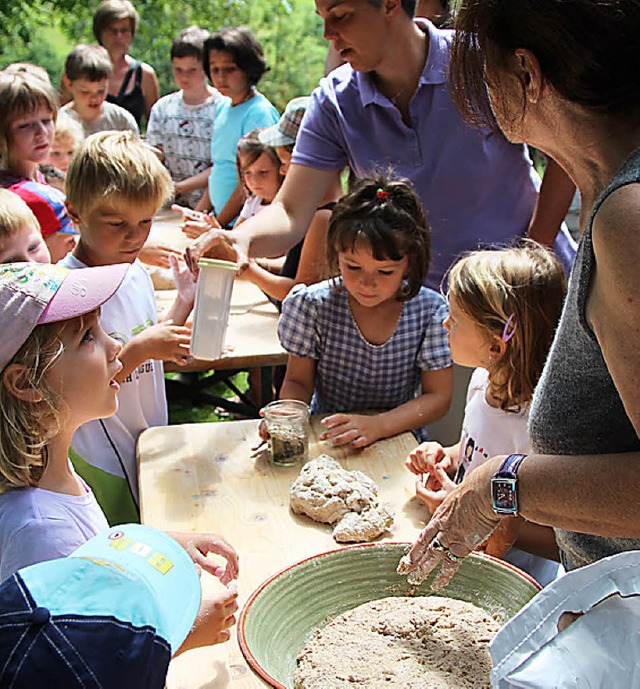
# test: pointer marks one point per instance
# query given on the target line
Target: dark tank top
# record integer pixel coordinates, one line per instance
(134, 100)
(576, 408)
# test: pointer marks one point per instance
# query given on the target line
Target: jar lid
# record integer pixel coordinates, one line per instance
(212, 262)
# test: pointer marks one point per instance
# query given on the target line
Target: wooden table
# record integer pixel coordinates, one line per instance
(202, 477)
(251, 338)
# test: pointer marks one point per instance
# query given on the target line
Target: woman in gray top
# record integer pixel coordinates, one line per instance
(562, 76)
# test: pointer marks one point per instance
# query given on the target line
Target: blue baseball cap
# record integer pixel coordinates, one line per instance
(110, 615)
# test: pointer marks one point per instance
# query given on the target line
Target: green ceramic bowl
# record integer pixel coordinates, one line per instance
(280, 616)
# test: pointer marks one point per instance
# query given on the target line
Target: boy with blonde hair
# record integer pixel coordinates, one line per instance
(67, 136)
(20, 238)
(115, 185)
(86, 72)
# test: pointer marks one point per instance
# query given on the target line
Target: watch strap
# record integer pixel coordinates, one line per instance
(509, 466)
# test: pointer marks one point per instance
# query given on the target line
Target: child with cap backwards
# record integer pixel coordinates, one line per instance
(115, 185)
(50, 211)
(504, 307)
(110, 615)
(28, 111)
(373, 336)
(20, 237)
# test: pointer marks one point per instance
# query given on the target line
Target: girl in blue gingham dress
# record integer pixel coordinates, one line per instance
(372, 337)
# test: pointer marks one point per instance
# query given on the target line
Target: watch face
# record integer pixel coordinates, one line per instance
(503, 493)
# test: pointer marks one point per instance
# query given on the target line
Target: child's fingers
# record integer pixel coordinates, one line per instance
(443, 477)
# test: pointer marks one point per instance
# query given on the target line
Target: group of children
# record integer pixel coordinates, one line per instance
(81, 361)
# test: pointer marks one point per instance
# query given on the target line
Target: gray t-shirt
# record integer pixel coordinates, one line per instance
(576, 408)
(113, 118)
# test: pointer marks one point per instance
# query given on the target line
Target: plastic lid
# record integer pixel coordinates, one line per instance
(209, 262)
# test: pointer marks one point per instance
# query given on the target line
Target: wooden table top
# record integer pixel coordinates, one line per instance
(203, 478)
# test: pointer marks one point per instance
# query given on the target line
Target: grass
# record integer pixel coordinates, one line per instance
(182, 411)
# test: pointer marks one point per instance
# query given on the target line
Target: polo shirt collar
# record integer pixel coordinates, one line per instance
(434, 72)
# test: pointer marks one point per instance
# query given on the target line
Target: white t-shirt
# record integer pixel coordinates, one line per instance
(113, 118)
(487, 431)
(184, 133)
(251, 207)
(110, 444)
(38, 525)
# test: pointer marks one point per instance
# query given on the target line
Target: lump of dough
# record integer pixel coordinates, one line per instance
(327, 493)
(364, 526)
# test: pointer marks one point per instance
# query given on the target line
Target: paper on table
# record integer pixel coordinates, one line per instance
(600, 649)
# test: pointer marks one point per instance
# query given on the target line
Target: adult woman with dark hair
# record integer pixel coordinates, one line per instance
(133, 85)
(235, 62)
(391, 107)
(563, 77)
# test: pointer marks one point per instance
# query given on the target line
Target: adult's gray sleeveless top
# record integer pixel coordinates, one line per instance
(576, 408)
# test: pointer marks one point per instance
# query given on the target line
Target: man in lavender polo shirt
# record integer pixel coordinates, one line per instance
(390, 106)
(476, 187)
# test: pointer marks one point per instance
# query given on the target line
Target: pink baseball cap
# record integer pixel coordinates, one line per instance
(35, 293)
(47, 204)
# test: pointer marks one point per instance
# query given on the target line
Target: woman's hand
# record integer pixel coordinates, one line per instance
(220, 244)
(356, 430)
(461, 523)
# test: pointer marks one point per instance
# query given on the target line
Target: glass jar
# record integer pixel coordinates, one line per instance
(288, 426)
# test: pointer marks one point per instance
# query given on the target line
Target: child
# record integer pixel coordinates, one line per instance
(108, 615)
(372, 337)
(48, 207)
(58, 370)
(28, 110)
(67, 136)
(504, 307)
(86, 71)
(52, 347)
(259, 169)
(305, 262)
(181, 124)
(115, 185)
(20, 237)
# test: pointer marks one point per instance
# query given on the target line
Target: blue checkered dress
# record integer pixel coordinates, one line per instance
(353, 374)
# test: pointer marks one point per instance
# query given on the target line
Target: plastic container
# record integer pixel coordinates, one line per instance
(211, 311)
(288, 426)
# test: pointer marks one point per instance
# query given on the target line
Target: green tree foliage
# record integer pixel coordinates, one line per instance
(42, 31)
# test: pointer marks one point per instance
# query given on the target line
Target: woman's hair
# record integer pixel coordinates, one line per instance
(587, 50)
(386, 213)
(246, 51)
(14, 215)
(116, 164)
(21, 94)
(27, 427)
(409, 6)
(515, 294)
(109, 11)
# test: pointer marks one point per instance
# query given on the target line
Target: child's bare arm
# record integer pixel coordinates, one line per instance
(299, 379)
(198, 181)
(164, 341)
(185, 283)
(214, 620)
(360, 430)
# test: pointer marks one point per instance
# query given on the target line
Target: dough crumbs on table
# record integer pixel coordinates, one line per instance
(428, 642)
(327, 493)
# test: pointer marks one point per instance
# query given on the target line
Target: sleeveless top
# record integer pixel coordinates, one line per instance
(134, 100)
(576, 407)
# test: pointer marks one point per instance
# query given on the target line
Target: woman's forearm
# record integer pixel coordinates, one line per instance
(596, 494)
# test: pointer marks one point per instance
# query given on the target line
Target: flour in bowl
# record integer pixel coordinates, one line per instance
(410, 643)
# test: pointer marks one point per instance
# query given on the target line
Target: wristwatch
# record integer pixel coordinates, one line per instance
(504, 493)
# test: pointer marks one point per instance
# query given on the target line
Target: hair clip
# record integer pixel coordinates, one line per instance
(382, 194)
(506, 333)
